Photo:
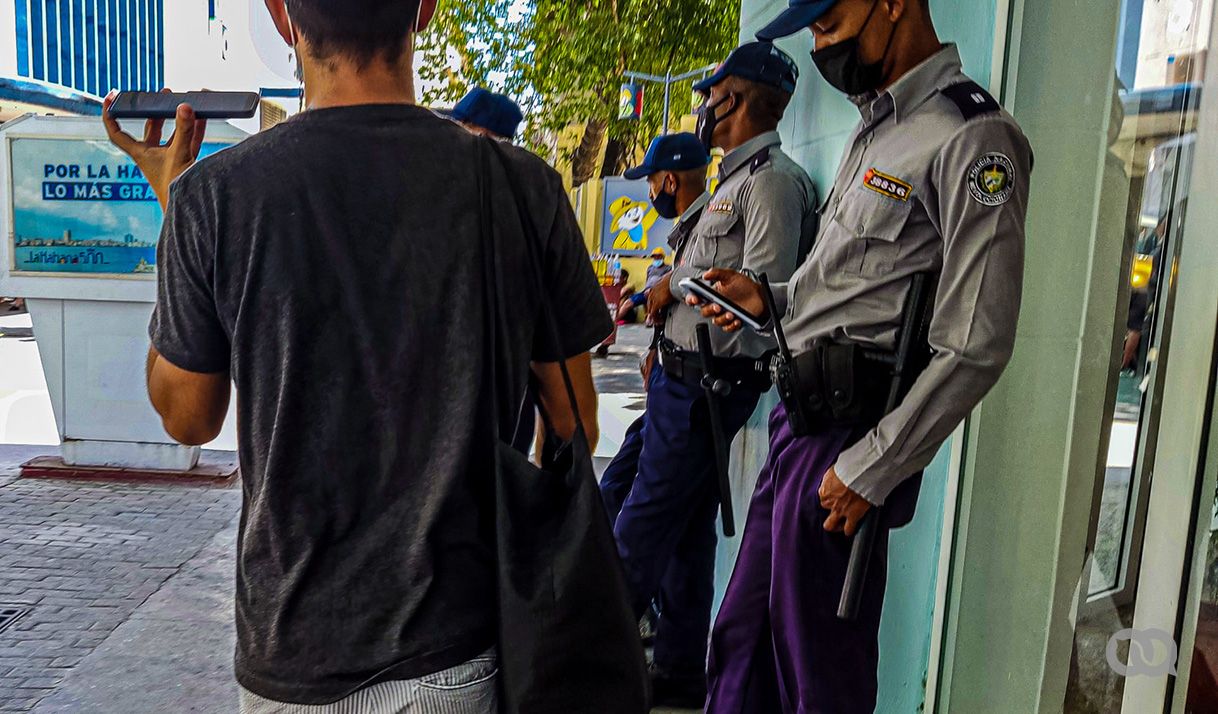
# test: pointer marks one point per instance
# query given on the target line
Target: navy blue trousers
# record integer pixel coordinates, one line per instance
(662, 495)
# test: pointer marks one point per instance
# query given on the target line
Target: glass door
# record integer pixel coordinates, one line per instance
(1160, 65)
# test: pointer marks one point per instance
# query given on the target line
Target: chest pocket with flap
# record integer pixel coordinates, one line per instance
(870, 226)
(719, 242)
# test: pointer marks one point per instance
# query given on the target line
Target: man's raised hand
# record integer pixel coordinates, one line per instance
(160, 163)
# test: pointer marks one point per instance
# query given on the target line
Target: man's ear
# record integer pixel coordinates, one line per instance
(896, 9)
(279, 14)
(427, 10)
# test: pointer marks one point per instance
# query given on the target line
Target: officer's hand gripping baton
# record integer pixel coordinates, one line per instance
(864, 540)
(715, 390)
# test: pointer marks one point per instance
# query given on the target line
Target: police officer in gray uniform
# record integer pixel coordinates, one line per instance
(762, 216)
(934, 181)
(762, 213)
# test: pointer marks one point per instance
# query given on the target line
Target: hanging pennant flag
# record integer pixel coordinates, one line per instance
(630, 102)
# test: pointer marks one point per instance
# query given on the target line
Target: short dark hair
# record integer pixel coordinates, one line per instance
(766, 105)
(359, 30)
(694, 176)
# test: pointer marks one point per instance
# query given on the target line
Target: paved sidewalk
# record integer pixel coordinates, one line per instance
(79, 559)
(128, 587)
(174, 654)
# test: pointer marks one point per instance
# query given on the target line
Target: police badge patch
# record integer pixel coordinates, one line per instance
(991, 180)
(886, 185)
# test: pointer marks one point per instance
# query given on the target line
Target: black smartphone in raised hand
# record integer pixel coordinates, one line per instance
(708, 294)
(164, 105)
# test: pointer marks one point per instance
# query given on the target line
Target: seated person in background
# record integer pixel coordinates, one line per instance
(657, 271)
(625, 305)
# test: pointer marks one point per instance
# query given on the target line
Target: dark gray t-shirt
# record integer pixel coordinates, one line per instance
(333, 266)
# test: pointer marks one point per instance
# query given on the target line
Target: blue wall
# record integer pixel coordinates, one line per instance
(815, 131)
(92, 45)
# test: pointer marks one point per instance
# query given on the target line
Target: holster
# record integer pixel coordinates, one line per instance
(833, 385)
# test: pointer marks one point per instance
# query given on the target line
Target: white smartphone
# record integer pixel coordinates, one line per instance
(708, 294)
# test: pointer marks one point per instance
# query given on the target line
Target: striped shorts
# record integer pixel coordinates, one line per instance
(465, 689)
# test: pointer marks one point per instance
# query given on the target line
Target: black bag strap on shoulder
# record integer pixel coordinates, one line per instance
(490, 279)
(568, 636)
(535, 253)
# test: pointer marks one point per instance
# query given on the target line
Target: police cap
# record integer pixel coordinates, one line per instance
(759, 62)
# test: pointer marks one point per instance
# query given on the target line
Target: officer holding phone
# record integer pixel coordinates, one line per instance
(934, 181)
(761, 215)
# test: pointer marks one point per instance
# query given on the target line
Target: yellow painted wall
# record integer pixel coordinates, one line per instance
(587, 199)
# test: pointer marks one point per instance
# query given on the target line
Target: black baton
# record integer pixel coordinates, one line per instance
(715, 390)
(864, 540)
(767, 295)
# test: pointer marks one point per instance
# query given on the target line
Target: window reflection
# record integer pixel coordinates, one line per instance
(1160, 61)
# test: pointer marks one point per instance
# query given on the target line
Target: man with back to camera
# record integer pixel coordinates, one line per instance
(365, 573)
(489, 114)
(934, 180)
(760, 218)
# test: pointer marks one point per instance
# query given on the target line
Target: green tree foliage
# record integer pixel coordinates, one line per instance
(564, 60)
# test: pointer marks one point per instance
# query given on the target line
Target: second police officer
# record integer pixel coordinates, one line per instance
(662, 490)
(934, 181)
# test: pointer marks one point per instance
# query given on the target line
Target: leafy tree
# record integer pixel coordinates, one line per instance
(565, 60)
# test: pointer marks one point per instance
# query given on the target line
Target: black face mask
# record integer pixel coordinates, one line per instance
(666, 205)
(708, 121)
(842, 68)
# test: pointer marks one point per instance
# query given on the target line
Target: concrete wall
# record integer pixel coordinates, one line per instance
(815, 131)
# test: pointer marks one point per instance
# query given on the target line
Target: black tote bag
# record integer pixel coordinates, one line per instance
(568, 639)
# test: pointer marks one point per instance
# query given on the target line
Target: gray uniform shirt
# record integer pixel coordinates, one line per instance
(762, 213)
(685, 224)
(935, 178)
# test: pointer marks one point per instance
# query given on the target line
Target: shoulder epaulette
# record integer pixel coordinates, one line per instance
(971, 99)
(760, 159)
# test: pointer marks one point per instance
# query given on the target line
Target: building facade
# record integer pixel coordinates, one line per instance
(63, 56)
(91, 45)
(1063, 557)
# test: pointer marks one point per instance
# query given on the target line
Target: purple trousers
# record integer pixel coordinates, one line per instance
(777, 645)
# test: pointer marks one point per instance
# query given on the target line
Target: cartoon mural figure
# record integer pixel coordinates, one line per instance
(632, 222)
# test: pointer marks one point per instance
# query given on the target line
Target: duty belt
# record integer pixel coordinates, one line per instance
(744, 372)
(834, 385)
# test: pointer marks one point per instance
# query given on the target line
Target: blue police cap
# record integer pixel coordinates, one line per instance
(759, 62)
(495, 112)
(671, 152)
(798, 16)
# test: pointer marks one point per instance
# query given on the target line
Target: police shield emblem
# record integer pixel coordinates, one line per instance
(991, 179)
(995, 179)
